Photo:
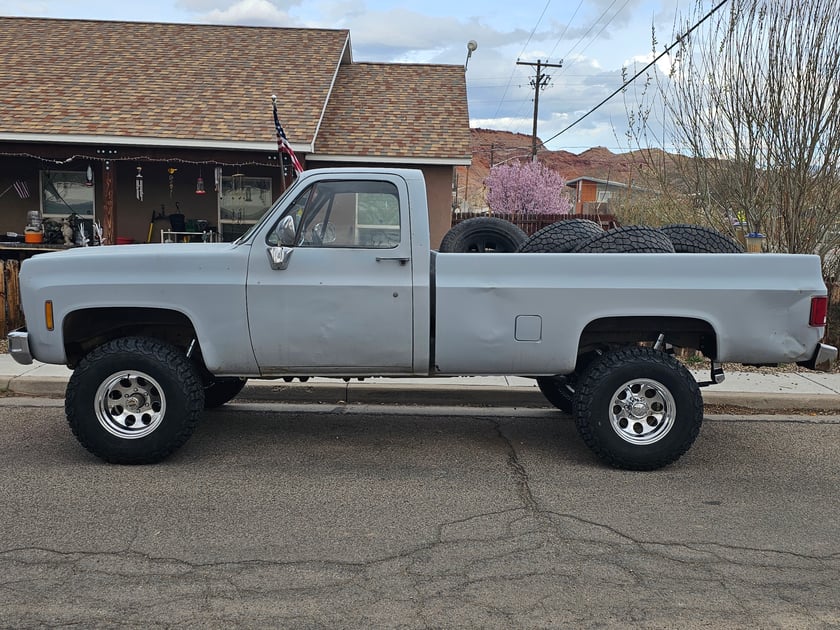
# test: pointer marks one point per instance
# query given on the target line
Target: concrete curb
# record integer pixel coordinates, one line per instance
(436, 395)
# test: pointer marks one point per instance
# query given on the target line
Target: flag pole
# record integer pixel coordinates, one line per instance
(7, 190)
(279, 152)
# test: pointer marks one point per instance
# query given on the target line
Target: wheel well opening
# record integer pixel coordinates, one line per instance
(87, 329)
(680, 332)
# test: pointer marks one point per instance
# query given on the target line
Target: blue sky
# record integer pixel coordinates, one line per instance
(593, 38)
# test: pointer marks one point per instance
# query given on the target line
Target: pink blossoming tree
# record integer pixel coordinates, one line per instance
(526, 187)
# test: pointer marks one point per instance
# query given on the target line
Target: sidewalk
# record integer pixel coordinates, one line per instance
(762, 391)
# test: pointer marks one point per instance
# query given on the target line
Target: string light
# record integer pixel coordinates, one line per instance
(271, 159)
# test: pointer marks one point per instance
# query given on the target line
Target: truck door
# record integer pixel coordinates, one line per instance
(343, 301)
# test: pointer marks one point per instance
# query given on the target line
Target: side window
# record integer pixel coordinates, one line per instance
(348, 214)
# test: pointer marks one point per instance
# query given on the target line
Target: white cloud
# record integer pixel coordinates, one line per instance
(251, 12)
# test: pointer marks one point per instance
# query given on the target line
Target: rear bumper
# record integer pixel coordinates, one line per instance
(823, 359)
(19, 346)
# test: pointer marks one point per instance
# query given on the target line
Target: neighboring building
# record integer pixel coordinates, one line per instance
(593, 196)
(123, 122)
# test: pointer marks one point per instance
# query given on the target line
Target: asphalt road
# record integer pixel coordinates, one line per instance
(308, 517)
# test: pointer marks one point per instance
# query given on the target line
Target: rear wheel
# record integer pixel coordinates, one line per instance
(134, 400)
(638, 408)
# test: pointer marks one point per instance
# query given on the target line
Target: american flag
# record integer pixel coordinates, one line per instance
(21, 189)
(283, 145)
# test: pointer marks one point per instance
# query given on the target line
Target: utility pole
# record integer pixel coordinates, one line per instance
(539, 82)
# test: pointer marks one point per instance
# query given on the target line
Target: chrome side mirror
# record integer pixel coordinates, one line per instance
(279, 257)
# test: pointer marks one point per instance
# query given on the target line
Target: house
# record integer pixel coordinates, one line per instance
(593, 196)
(128, 123)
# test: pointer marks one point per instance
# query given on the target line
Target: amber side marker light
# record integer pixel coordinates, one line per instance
(48, 314)
(819, 311)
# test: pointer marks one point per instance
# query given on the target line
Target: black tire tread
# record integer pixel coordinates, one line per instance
(638, 239)
(699, 239)
(508, 237)
(600, 369)
(560, 237)
(159, 352)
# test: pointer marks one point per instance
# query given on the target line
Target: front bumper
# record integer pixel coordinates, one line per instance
(823, 359)
(19, 346)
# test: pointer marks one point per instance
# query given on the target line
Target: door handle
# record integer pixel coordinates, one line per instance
(400, 259)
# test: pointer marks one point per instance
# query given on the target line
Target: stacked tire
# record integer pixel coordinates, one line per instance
(495, 235)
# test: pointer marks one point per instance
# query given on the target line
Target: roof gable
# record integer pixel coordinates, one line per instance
(372, 106)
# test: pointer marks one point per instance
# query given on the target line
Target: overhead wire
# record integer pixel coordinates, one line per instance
(524, 48)
(640, 72)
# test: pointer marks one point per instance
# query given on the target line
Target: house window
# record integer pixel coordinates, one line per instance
(244, 200)
(66, 192)
(604, 194)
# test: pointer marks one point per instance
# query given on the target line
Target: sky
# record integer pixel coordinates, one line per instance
(593, 39)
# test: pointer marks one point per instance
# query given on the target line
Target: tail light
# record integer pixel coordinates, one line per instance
(819, 311)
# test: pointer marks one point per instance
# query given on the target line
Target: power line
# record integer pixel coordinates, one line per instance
(586, 34)
(640, 72)
(563, 34)
(534, 30)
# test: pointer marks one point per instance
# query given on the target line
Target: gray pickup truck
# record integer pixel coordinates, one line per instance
(338, 279)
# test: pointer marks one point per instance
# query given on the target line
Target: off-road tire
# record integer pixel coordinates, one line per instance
(222, 390)
(698, 239)
(99, 402)
(559, 391)
(627, 239)
(483, 235)
(560, 237)
(651, 394)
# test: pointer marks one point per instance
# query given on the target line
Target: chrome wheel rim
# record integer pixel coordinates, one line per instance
(642, 411)
(130, 404)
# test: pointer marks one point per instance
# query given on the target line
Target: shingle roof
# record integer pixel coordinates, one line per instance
(373, 105)
(166, 81)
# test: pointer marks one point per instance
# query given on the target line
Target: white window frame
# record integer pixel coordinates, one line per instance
(68, 181)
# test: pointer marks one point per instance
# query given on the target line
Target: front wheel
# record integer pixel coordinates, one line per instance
(134, 400)
(638, 408)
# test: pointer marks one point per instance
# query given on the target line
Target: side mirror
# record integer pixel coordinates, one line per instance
(285, 231)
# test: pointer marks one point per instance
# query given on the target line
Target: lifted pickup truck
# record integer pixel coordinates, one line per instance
(338, 279)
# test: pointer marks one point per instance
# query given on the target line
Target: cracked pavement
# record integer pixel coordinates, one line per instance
(347, 517)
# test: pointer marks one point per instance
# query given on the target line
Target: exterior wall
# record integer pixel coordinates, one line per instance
(439, 192)
(587, 192)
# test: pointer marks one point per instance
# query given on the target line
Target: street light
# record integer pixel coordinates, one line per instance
(471, 46)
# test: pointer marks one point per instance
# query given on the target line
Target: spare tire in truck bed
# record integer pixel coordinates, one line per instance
(560, 237)
(483, 235)
(627, 239)
(698, 239)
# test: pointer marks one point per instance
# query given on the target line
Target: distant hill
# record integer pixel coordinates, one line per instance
(505, 146)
